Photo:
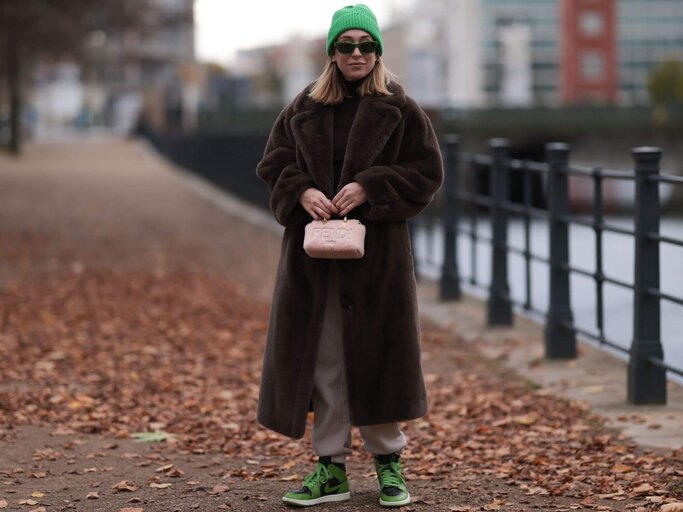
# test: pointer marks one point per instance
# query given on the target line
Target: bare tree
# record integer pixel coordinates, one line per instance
(39, 30)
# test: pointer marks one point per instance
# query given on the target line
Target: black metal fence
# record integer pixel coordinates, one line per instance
(226, 160)
(497, 187)
(463, 204)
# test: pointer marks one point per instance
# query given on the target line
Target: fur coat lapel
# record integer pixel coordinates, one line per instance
(375, 121)
(313, 129)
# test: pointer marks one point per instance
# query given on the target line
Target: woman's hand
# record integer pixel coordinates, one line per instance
(316, 204)
(349, 197)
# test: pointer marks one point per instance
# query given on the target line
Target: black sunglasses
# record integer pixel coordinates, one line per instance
(347, 47)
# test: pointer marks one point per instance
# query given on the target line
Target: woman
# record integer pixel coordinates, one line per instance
(343, 337)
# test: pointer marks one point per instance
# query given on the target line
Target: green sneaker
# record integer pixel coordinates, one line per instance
(392, 486)
(327, 483)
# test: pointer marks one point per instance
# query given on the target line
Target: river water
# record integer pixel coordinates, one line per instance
(618, 262)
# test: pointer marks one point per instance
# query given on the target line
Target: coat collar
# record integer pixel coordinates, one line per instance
(375, 121)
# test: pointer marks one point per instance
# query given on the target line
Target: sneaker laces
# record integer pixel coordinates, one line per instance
(320, 476)
(390, 476)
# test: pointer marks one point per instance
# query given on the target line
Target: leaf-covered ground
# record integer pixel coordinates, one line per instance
(94, 351)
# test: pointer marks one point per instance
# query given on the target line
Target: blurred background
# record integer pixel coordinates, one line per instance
(603, 75)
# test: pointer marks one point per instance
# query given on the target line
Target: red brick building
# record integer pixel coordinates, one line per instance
(588, 47)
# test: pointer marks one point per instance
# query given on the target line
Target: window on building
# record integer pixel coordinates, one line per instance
(592, 66)
(592, 23)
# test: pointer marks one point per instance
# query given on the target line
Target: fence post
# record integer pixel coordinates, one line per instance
(646, 381)
(560, 341)
(450, 279)
(499, 306)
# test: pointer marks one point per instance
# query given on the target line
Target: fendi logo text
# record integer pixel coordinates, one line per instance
(330, 235)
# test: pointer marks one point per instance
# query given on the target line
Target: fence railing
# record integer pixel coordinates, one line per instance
(226, 160)
(464, 204)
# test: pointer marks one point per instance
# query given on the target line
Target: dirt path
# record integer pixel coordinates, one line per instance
(129, 304)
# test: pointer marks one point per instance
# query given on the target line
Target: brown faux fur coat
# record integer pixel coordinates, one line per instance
(393, 153)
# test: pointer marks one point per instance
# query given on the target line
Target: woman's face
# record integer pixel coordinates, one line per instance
(356, 65)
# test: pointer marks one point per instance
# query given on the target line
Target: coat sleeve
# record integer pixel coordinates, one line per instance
(286, 182)
(402, 190)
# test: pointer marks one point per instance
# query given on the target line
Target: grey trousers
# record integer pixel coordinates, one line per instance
(331, 424)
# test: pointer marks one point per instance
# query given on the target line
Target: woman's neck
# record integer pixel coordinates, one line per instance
(351, 86)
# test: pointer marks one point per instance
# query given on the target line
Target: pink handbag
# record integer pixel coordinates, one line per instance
(335, 239)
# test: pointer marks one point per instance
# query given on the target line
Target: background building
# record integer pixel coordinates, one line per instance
(539, 52)
(443, 62)
(588, 65)
(648, 32)
(148, 68)
(531, 27)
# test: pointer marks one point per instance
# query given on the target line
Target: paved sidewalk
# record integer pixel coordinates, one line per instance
(595, 378)
(71, 199)
(113, 208)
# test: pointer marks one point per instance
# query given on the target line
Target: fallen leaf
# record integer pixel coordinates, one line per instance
(611, 494)
(124, 485)
(39, 509)
(672, 507)
(525, 420)
(150, 437)
(37, 494)
(92, 496)
(28, 502)
(127, 509)
(3, 503)
(46, 454)
(160, 486)
(494, 505)
(642, 489)
(219, 489)
(290, 478)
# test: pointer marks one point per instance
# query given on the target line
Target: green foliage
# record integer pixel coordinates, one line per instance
(216, 70)
(665, 82)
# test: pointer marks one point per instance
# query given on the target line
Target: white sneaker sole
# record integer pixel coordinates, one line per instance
(405, 501)
(344, 496)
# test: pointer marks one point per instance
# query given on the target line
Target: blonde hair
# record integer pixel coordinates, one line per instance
(329, 90)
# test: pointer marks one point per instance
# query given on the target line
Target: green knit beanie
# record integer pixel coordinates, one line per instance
(354, 16)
